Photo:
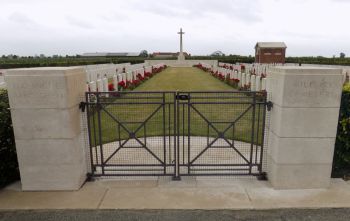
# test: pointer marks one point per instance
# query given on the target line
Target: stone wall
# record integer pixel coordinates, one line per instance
(47, 125)
(185, 63)
(303, 126)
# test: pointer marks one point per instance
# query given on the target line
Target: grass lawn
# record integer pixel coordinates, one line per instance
(183, 79)
(131, 115)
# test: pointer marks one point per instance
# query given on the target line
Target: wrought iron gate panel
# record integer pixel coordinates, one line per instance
(131, 133)
(176, 133)
(220, 133)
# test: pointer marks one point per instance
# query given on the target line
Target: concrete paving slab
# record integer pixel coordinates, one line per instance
(185, 182)
(88, 197)
(337, 196)
(176, 198)
(127, 183)
(190, 193)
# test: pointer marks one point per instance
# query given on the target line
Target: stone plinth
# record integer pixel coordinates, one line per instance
(181, 57)
(46, 119)
(303, 126)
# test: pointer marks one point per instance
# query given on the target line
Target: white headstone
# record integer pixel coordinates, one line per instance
(252, 83)
(263, 84)
(115, 82)
(243, 79)
(248, 78)
(105, 84)
(258, 83)
(92, 86)
(99, 85)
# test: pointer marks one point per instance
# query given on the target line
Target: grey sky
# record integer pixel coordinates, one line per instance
(309, 27)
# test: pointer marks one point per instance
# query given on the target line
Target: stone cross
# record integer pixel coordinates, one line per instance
(181, 55)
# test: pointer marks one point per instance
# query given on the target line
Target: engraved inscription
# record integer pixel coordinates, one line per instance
(37, 91)
(318, 90)
(315, 88)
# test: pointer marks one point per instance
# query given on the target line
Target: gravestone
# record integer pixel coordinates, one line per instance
(92, 86)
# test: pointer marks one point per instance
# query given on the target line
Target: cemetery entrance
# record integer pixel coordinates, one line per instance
(176, 133)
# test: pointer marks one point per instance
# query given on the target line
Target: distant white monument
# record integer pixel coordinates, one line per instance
(181, 56)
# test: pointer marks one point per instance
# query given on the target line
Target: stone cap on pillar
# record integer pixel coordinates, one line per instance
(305, 86)
(45, 87)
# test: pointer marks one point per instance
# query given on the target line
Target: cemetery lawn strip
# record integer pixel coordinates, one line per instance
(183, 79)
(172, 79)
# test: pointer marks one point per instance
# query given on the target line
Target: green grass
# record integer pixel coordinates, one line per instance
(180, 79)
(183, 79)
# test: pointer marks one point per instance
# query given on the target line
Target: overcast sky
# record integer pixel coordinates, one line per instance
(308, 27)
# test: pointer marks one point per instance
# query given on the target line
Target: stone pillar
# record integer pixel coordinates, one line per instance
(303, 126)
(46, 120)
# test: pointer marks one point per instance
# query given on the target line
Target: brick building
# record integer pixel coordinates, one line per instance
(270, 52)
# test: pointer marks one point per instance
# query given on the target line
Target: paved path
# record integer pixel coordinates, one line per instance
(191, 193)
(191, 199)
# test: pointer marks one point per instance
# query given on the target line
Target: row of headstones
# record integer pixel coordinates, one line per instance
(94, 72)
(255, 68)
(249, 81)
(101, 84)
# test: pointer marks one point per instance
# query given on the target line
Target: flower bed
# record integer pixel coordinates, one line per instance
(233, 82)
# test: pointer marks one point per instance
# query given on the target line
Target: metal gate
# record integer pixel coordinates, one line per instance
(220, 133)
(176, 133)
(131, 133)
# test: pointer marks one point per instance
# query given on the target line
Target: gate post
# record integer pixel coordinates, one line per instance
(303, 126)
(46, 119)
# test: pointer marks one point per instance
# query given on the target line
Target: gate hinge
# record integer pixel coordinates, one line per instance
(89, 177)
(82, 106)
(269, 105)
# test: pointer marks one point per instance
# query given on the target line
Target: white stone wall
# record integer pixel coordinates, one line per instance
(303, 126)
(177, 63)
(47, 126)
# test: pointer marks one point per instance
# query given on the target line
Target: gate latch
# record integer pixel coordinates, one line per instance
(269, 105)
(82, 106)
(182, 97)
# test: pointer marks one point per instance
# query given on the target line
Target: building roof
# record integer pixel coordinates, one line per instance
(106, 54)
(169, 53)
(270, 45)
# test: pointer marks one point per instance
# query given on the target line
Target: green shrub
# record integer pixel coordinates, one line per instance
(341, 162)
(8, 158)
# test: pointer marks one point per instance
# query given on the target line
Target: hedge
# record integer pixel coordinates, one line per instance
(341, 162)
(8, 158)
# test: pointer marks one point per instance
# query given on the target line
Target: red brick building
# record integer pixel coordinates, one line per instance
(270, 52)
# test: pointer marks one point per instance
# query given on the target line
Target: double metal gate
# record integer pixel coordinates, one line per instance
(176, 133)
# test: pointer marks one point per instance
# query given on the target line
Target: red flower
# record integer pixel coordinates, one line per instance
(139, 77)
(135, 82)
(122, 84)
(111, 87)
(148, 74)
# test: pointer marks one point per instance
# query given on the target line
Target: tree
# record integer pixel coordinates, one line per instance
(143, 53)
(342, 55)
